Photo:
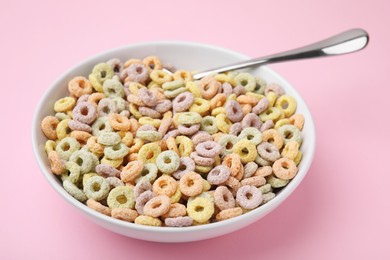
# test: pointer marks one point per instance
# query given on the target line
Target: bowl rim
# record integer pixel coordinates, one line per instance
(262, 210)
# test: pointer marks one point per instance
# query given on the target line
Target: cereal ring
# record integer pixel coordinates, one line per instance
(189, 118)
(165, 125)
(106, 106)
(107, 171)
(248, 197)
(124, 214)
(95, 205)
(62, 116)
(229, 213)
(209, 124)
(149, 112)
(251, 134)
(200, 105)
(135, 73)
(223, 198)
(191, 184)
(121, 197)
(223, 123)
(64, 104)
(148, 135)
(78, 126)
(116, 151)
(148, 173)
(168, 162)
(134, 99)
(132, 61)
(74, 191)
(96, 188)
(218, 175)
(290, 150)
(297, 120)
(274, 137)
(290, 133)
(149, 153)
(200, 209)
(116, 65)
(265, 188)
(208, 149)
(269, 124)
(165, 185)
(281, 122)
(100, 73)
(79, 86)
(246, 150)
(66, 147)
(152, 62)
(184, 145)
(227, 88)
(261, 106)
(256, 181)
(113, 88)
(276, 182)
(262, 162)
(200, 137)
(149, 121)
(186, 165)
(268, 151)
(284, 169)
(83, 159)
(175, 210)
(272, 113)
(81, 136)
(239, 90)
(56, 165)
(178, 221)
(142, 199)
(203, 169)
(101, 124)
(141, 187)
(131, 171)
(163, 106)
(233, 162)
(119, 122)
(202, 161)
(109, 138)
(157, 206)
(183, 101)
(183, 75)
(249, 169)
(147, 220)
(287, 104)
(50, 145)
(48, 126)
(85, 112)
(63, 129)
(94, 146)
(251, 120)
(273, 87)
(227, 142)
(246, 80)
(235, 129)
(72, 172)
(112, 162)
(208, 87)
(188, 129)
(234, 111)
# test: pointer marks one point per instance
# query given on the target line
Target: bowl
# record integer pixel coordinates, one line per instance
(189, 56)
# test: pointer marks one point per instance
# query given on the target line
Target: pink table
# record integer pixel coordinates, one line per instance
(341, 210)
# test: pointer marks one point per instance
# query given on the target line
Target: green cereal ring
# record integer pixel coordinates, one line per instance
(121, 197)
(174, 93)
(74, 191)
(189, 118)
(265, 188)
(173, 85)
(289, 133)
(204, 194)
(276, 182)
(246, 80)
(149, 173)
(66, 147)
(149, 135)
(272, 113)
(109, 138)
(62, 116)
(82, 158)
(72, 172)
(100, 73)
(102, 124)
(149, 152)
(97, 188)
(227, 142)
(209, 124)
(251, 134)
(260, 85)
(113, 88)
(116, 151)
(168, 162)
(120, 104)
(262, 162)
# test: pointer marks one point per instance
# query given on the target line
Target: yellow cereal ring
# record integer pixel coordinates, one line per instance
(290, 150)
(134, 87)
(272, 96)
(175, 197)
(121, 197)
(148, 221)
(150, 121)
(63, 129)
(184, 75)
(206, 185)
(203, 169)
(200, 209)
(95, 147)
(127, 138)
(112, 162)
(218, 110)
(190, 85)
(200, 105)
(86, 176)
(256, 95)
(287, 104)
(138, 143)
(223, 123)
(272, 113)
(185, 145)
(134, 111)
(50, 145)
(64, 104)
(160, 76)
(232, 97)
(298, 158)
(221, 77)
(281, 122)
(246, 150)
(149, 152)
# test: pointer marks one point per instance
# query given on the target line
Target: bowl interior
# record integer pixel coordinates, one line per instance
(183, 55)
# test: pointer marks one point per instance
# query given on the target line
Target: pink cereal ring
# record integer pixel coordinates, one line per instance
(142, 199)
(223, 198)
(261, 106)
(85, 112)
(267, 125)
(218, 175)
(239, 90)
(179, 221)
(186, 165)
(234, 111)
(249, 197)
(227, 88)
(105, 170)
(201, 136)
(78, 126)
(149, 112)
(157, 206)
(106, 106)
(163, 106)
(251, 120)
(188, 130)
(147, 97)
(200, 160)
(208, 149)
(141, 187)
(135, 73)
(114, 182)
(183, 101)
(276, 88)
(235, 129)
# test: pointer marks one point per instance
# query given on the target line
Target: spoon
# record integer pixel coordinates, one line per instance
(345, 42)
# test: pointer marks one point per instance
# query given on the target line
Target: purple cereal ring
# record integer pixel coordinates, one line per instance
(223, 198)
(208, 149)
(83, 98)
(183, 101)
(172, 133)
(147, 97)
(141, 187)
(186, 165)
(136, 72)
(239, 90)
(150, 112)
(116, 65)
(185, 221)
(249, 197)
(142, 199)
(146, 127)
(114, 182)
(227, 88)
(251, 120)
(85, 112)
(218, 175)
(276, 88)
(163, 106)
(267, 125)
(78, 126)
(106, 106)
(268, 151)
(261, 106)
(235, 129)
(105, 170)
(188, 130)
(202, 161)
(234, 111)
(200, 137)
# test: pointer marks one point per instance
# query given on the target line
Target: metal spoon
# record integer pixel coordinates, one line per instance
(346, 42)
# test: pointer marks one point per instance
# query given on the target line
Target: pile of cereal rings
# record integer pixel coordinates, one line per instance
(143, 145)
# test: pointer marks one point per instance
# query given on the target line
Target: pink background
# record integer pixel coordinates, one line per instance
(341, 210)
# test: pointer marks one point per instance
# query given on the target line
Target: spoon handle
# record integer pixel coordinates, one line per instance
(345, 42)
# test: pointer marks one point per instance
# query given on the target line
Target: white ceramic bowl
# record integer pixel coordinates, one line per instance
(184, 55)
